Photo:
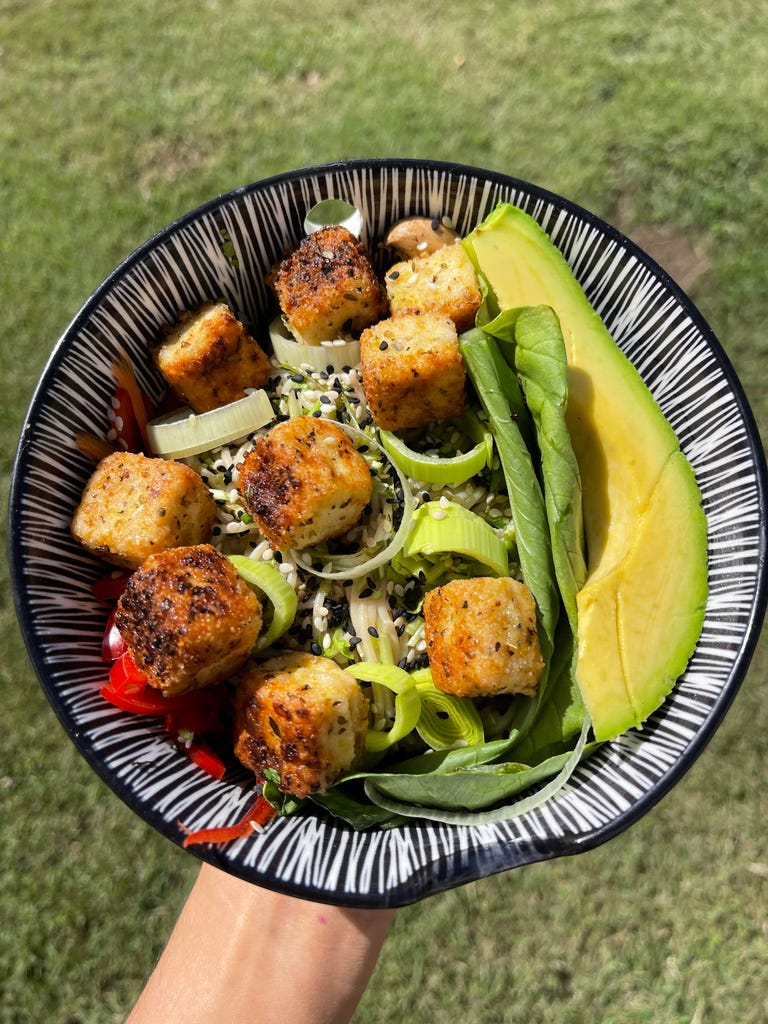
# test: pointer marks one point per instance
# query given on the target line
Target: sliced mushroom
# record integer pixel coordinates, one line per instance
(419, 236)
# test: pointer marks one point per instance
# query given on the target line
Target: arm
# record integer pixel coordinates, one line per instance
(242, 954)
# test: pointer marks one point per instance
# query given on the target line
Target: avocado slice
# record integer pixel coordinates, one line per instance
(641, 609)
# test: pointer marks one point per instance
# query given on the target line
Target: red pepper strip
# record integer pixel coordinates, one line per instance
(110, 587)
(206, 758)
(125, 676)
(112, 645)
(124, 422)
(137, 407)
(128, 691)
(152, 702)
(259, 814)
(195, 720)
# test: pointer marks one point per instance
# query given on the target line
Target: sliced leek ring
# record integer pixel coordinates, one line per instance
(278, 591)
(441, 526)
(456, 469)
(183, 432)
(447, 721)
(295, 354)
(328, 212)
(407, 702)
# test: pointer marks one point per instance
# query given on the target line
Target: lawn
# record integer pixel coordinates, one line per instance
(117, 118)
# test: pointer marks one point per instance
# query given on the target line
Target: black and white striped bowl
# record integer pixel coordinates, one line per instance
(311, 855)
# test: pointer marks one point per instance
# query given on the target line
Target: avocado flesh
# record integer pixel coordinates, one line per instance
(641, 610)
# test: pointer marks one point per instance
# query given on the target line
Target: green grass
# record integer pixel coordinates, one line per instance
(115, 119)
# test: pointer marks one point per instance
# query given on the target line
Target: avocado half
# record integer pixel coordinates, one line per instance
(641, 609)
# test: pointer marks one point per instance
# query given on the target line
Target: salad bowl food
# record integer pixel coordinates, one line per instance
(449, 810)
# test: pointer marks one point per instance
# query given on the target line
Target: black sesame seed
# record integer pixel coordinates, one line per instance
(394, 275)
(372, 631)
(278, 556)
(317, 413)
(297, 378)
(355, 640)
(325, 400)
(316, 648)
(384, 345)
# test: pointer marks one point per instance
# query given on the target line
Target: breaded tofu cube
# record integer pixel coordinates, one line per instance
(413, 371)
(482, 638)
(444, 282)
(304, 482)
(302, 716)
(209, 358)
(188, 618)
(134, 506)
(328, 288)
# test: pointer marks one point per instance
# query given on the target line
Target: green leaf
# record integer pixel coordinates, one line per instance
(352, 805)
(526, 498)
(532, 341)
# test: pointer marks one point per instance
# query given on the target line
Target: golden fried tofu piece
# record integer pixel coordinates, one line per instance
(188, 618)
(209, 358)
(302, 716)
(413, 371)
(304, 482)
(418, 237)
(481, 637)
(134, 506)
(328, 288)
(443, 282)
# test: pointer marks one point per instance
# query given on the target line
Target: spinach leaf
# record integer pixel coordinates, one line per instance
(526, 499)
(532, 343)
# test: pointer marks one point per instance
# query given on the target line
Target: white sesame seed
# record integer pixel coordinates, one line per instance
(286, 568)
(438, 514)
(444, 502)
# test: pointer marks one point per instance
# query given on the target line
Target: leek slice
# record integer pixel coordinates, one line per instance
(183, 432)
(407, 702)
(328, 212)
(456, 469)
(295, 354)
(446, 721)
(274, 586)
(441, 526)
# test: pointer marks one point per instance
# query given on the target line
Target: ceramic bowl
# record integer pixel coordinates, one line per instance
(311, 855)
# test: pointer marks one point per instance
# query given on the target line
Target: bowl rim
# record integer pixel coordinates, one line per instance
(555, 846)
